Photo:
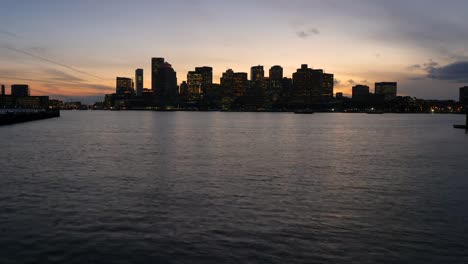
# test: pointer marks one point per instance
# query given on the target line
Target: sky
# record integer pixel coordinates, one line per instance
(71, 49)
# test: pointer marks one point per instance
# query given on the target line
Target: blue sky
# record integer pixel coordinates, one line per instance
(420, 44)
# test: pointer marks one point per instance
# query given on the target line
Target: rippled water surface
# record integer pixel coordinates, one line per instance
(154, 187)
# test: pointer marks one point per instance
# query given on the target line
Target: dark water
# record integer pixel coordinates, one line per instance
(144, 187)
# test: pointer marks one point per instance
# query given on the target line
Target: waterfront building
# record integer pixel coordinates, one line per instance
(156, 63)
(3, 90)
(311, 86)
(339, 96)
(464, 95)
(360, 92)
(123, 85)
(19, 90)
(386, 89)
(166, 80)
(139, 82)
(33, 102)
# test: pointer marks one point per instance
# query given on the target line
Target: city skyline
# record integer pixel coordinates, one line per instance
(361, 43)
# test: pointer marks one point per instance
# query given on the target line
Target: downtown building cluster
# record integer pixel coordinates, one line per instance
(308, 88)
(241, 91)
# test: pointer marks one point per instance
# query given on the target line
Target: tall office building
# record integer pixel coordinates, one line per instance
(311, 86)
(386, 89)
(194, 85)
(156, 63)
(257, 73)
(240, 84)
(276, 73)
(464, 95)
(199, 82)
(3, 89)
(207, 78)
(19, 90)
(234, 83)
(360, 92)
(328, 85)
(166, 80)
(139, 81)
(124, 85)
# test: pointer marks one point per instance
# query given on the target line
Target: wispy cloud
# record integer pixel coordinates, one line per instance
(51, 61)
(8, 33)
(303, 34)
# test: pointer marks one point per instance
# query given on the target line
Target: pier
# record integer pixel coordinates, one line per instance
(465, 126)
(14, 116)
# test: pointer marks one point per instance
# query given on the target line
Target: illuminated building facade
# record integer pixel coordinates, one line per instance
(123, 86)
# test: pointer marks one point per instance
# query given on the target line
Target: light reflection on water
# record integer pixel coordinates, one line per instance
(142, 187)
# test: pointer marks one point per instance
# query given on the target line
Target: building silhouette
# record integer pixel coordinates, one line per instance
(257, 73)
(386, 89)
(276, 73)
(156, 63)
(3, 90)
(123, 86)
(464, 95)
(19, 90)
(311, 87)
(360, 92)
(207, 78)
(240, 84)
(328, 85)
(139, 82)
(166, 80)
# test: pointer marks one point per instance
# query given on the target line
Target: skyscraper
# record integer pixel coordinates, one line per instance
(139, 81)
(194, 85)
(257, 73)
(464, 95)
(19, 90)
(387, 89)
(124, 85)
(156, 63)
(166, 80)
(240, 84)
(207, 78)
(328, 85)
